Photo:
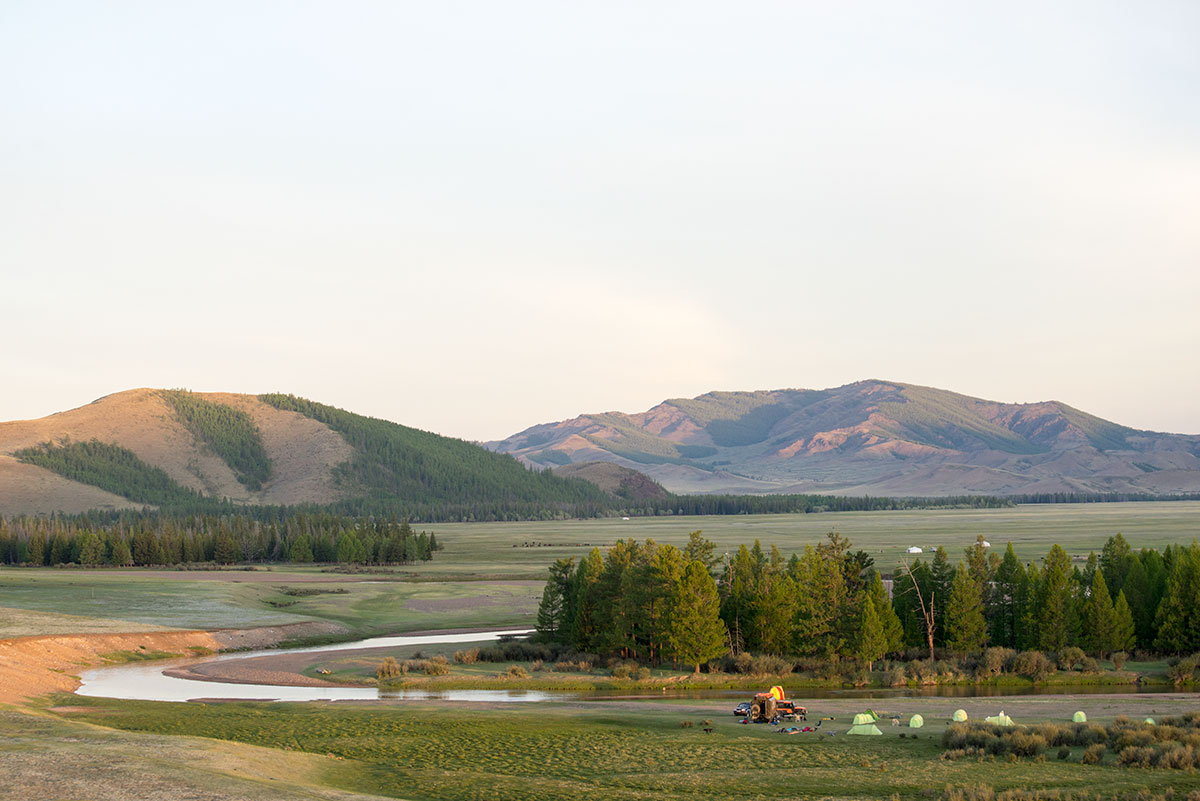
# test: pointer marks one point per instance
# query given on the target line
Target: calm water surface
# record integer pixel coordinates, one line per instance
(144, 681)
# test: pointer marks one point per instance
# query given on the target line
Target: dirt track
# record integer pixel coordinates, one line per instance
(34, 666)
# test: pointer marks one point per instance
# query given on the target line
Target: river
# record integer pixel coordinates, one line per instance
(145, 681)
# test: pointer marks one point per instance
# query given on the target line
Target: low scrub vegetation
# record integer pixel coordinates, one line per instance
(1172, 744)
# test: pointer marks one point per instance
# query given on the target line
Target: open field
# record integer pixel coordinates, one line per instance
(487, 576)
(498, 548)
(130, 600)
(637, 749)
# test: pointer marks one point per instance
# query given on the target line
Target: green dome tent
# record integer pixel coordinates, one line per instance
(1150, 721)
(1079, 717)
(960, 715)
(1000, 720)
(916, 722)
(864, 724)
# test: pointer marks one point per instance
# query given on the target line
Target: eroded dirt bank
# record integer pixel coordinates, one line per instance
(34, 666)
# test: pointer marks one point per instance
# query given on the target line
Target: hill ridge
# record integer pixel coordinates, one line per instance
(869, 437)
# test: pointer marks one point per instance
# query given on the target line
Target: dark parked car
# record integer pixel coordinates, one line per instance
(742, 709)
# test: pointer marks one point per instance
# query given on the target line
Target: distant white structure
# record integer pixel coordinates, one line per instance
(624, 518)
(914, 549)
(986, 544)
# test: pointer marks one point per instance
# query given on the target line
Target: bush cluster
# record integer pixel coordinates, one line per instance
(1173, 744)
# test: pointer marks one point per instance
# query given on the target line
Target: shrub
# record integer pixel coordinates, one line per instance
(770, 665)
(468, 657)
(922, 671)
(897, 677)
(1136, 757)
(1088, 665)
(434, 667)
(1064, 752)
(1026, 744)
(642, 674)
(1093, 754)
(1090, 734)
(1069, 657)
(1183, 671)
(994, 660)
(1119, 659)
(624, 670)
(388, 669)
(517, 672)
(538, 665)
(743, 662)
(1033, 664)
(686, 724)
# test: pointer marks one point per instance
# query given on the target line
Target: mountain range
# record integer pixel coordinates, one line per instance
(188, 451)
(869, 438)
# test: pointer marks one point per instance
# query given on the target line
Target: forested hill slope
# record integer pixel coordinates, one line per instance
(870, 438)
(191, 451)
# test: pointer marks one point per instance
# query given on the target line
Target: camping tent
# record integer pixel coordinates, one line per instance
(864, 724)
(916, 722)
(1000, 720)
(777, 693)
(1079, 717)
(914, 549)
(960, 715)
(1150, 721)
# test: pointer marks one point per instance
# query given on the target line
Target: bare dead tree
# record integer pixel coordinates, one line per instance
(926, 611)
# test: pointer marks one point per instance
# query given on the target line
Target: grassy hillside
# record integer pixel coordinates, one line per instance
(397, 468)
(229, 432)
(112, 468)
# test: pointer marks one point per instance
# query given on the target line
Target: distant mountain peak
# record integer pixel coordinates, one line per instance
(869, 437)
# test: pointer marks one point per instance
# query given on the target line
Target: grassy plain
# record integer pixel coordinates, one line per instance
(524, 550)
(94, 600)
(631, 749)
(479, 578)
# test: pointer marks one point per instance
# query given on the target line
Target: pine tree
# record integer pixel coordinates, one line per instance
(872, 643)
(1098, 622)
(121, 555)
(552, 616)
(966, 628)
(943, 577)
(1179, 614)
(226, 552)
(1002, 612)
(1115, 562)
(1137, 593)
(1055, 605)
(696, 633)
(1124, 637)
(893, 631)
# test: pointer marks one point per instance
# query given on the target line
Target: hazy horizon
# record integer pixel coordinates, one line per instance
(472, 218)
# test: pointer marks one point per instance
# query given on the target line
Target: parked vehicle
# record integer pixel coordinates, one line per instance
(742, 709)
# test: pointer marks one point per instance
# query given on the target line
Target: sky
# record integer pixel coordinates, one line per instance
(473, 217)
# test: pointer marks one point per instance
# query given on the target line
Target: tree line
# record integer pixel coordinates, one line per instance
(132, 539)
(231, 433)
(658, 603)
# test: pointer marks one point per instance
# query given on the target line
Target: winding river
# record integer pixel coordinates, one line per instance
(146, 681)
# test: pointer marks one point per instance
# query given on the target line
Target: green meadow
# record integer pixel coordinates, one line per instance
(608, 750)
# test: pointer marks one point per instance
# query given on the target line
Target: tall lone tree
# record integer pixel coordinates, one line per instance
(966, 626)
(695, 632)
(872, 643)
(1099, 625)
(1124, 632)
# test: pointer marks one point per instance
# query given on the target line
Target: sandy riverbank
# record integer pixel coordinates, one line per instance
(34, 666)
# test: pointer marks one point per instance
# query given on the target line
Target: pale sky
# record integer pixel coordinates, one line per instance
(472, 217)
